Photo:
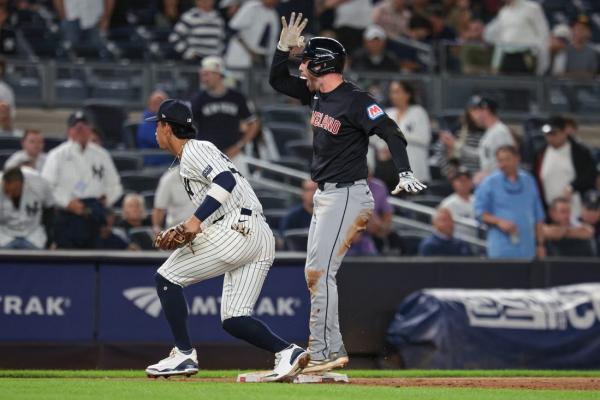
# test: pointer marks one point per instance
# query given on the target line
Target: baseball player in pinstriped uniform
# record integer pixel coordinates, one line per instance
(227, 235)
(343, 118)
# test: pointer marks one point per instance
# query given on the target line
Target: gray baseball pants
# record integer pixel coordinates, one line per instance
(341, 212)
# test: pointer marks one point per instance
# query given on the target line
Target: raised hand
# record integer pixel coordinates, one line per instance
(291, 34)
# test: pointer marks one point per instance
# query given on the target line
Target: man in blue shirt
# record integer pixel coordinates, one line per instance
(442, 242)
(146, 133)
(509, 203)
(299, 216)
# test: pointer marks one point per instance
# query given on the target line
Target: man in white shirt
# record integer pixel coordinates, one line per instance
(461, 203)
(520, 34)
(256, 26)
(84, 180)
(23, 198)
(485, 114)
(564, 168)
(170, 200)
(32, 153)
(82, 22)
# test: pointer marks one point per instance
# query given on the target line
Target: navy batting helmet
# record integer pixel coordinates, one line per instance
(326, 55)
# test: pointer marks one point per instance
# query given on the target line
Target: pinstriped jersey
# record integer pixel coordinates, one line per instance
(200, 163)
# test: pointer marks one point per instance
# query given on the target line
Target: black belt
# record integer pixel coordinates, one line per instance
(245, 211)
(337, 185)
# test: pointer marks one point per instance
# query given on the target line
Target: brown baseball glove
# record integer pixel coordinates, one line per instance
(173, 238)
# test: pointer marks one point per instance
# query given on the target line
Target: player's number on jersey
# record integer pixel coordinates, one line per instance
(188, 189)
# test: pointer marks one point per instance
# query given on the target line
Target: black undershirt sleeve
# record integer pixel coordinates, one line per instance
(281, 80)
(389, 131)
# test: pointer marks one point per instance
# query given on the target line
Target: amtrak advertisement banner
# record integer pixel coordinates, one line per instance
(547, 328)
(130, 309)
(50, 303)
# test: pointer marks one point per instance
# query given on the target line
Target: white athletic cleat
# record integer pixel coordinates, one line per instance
(288, 363)
(177, 363)
(334, 361)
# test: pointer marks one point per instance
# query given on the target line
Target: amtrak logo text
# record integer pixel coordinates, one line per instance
(146, 299)
(34, 305)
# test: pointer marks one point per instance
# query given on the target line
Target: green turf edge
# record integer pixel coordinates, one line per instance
(351, 373)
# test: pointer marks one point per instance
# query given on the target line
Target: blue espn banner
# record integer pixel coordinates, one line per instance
(540, 328)
(130, 310)
(47, 302)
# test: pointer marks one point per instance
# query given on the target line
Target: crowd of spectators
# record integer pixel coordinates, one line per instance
(507, 37)
(529, 205)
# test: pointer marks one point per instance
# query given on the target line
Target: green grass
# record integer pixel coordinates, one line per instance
(356, 373)
(116, 385)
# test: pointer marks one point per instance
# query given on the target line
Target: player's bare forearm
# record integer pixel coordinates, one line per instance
(193, 224)
(158, 218)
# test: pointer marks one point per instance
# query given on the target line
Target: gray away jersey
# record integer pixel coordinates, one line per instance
(200, 163)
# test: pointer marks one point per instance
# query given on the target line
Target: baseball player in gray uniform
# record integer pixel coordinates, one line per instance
(343, 118)
(227, 235)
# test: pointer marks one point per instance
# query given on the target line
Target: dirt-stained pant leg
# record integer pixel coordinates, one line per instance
(339, 215)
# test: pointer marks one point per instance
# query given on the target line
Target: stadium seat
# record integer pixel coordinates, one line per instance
(70, 90)
(138, 183)
(274, 217)
(108, 117)
(4, 155)
(130, 134)
(410, 241)
(10, 143)
(296, 239)
(274, 201)
(52, 142)
(302, 149)
(143, 236)
(284, 133)
(427, 200)
(127, 162)
(148, 199)
(440, 188)
(284, 114)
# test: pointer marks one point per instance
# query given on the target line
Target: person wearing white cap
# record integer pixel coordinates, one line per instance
(223, 116)
(559, 41)
(373, 56)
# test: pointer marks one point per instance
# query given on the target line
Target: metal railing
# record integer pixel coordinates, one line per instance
(58, 84)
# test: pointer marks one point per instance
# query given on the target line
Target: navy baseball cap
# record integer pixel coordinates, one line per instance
(176, 112)
(483, 102)
(77, 116)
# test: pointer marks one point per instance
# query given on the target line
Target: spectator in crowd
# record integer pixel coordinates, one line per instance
(393, 16)
(134, 216)
(298, 217)
(7, 127)
(222, 115)
(520, 34)
(475, 56)
(351, 18)
(590, 215)
(83, 22)
(84, 181)
(8, 36)
(485, 114)
(559, 42)
(31, 153)
(146, 132)
(24, 198)
(414, 124)
(200, 32)
(564, 167)
(171, 202)
(571, 126)
(111, 238)
(373, 56)
(563, 238)
(462, 149)
(228, 8)
(172, 9)
(509, 203)
(6, 93)
(459, 14)
(255, 28)
(420, 7)
(582, 60)
(380, 223)
(461, 203)
(439, 29)
(442, 241)
(419, 29)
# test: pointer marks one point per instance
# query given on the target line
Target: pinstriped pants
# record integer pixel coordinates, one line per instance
(339, 215)
(219, 250)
